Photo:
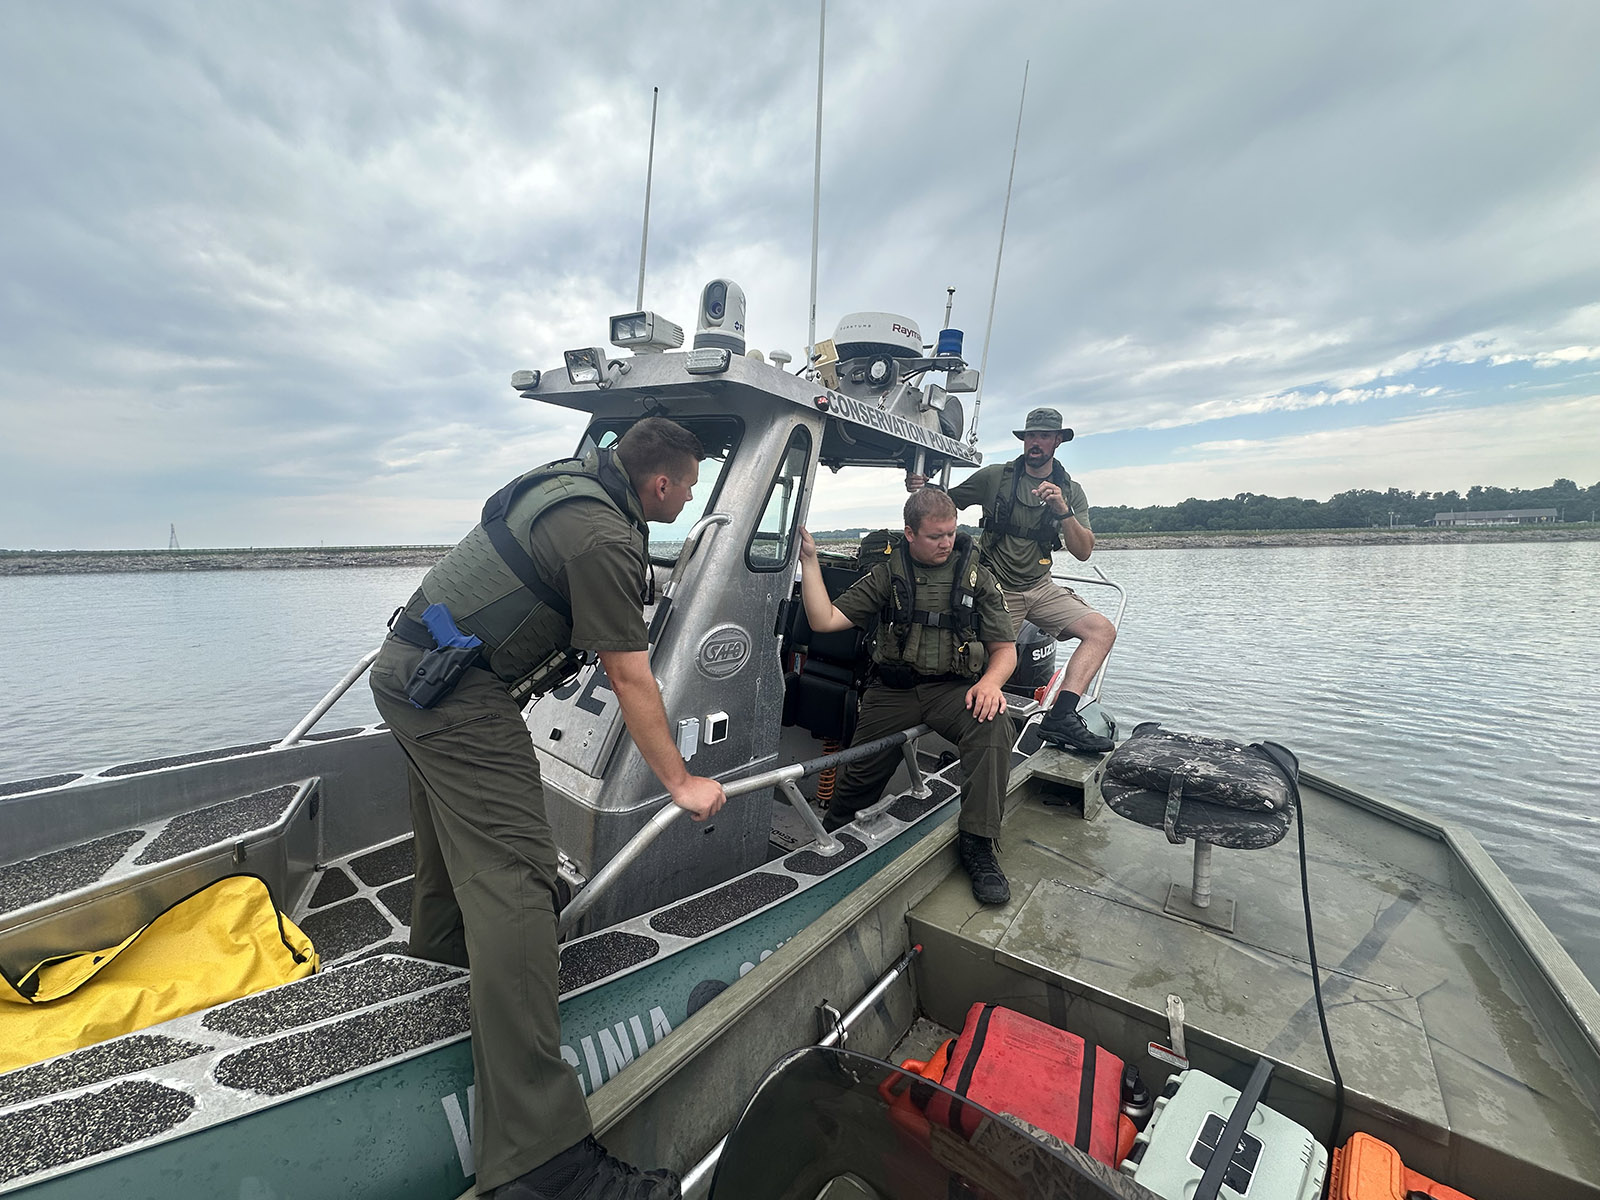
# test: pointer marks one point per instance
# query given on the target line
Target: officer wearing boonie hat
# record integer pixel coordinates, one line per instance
(1031, 508)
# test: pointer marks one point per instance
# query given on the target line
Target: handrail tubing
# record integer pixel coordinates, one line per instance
(669, 812)
(328, 701)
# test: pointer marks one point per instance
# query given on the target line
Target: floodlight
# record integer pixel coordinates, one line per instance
(961, 381)
(645, 333)
(708, 360)
(586, 366)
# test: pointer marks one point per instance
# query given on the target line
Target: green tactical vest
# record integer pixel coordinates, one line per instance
(489, 582)
(1038, 524)
(948, 643)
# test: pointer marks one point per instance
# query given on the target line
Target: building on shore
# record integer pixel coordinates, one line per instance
(1499, 516)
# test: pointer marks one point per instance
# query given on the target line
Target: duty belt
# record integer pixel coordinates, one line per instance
(411, 631)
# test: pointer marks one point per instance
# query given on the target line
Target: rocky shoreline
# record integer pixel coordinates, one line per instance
(99, 562)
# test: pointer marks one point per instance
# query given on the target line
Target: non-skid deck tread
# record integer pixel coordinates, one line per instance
(181, 760)
(908, 807)
(35, 879)
(724, 906)
(594, 958)
(37, 784)
(94, 1064)
(52, 1135)
(385, 864)
(397, 899)
(341, 928)
(334, 886)
(218, 823)
(300, 1060)
(329, 994)
(809, 862)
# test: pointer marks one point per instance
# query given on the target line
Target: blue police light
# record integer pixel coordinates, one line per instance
(525, 381)
(708, 360)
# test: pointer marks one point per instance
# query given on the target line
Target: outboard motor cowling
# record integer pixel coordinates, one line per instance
(1036, 659)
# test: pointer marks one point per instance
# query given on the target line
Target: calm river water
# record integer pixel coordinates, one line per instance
(1459, 679)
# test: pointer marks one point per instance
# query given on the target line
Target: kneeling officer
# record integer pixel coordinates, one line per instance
(559, 561)
(943, 649)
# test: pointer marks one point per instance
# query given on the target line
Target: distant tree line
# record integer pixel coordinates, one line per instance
(1355, 509)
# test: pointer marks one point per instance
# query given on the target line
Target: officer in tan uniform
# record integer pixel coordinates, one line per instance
(1031, 508)
(943, 649)
(450, 688)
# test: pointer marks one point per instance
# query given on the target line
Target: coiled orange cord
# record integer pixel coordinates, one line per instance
(826, 778)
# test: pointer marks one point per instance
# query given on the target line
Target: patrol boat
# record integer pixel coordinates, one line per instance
(695, 955)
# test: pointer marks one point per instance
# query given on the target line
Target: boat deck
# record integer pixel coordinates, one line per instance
(1421, 988)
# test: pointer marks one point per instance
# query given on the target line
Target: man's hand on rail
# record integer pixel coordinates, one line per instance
(699, 797)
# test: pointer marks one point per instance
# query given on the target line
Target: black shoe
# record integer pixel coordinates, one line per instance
(587, 1172)
(977, 859)
(832, 822)
(1063, 726)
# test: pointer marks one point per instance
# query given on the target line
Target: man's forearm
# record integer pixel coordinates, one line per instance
(1002, 662)
(645, 714)
(1078, 540)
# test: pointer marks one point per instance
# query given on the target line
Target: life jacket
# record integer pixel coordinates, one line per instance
(1033, 524)
(957, 623)
(1053, 1079)
(490, 583)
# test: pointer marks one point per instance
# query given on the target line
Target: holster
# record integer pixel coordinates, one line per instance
(438, 673)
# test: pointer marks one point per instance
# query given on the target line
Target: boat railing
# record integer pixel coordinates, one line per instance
(1098, 579)
(328, 701)
(783, 778)
(691, 543)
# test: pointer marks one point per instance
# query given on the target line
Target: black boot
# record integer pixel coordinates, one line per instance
(1062, 726)
(977, 859)
(587, 1172)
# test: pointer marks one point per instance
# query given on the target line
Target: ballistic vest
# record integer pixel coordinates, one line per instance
(954, 626)
(1036, 524)
(489, 581)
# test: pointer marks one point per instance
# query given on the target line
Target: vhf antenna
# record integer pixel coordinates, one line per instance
(816, 193)
(983, 367)
(649, 174)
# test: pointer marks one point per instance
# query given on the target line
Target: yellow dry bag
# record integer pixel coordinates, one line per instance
(225, 941)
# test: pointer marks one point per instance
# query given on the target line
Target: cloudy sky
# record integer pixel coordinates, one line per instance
(265, 269)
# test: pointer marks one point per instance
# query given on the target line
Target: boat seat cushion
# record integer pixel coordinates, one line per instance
(1208, 789)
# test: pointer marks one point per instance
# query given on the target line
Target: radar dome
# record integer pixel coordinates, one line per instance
(863, 334)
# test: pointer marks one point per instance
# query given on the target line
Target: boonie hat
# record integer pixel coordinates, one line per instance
(1044, 420)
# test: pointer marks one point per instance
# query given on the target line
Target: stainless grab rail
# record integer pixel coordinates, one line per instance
(669, 590)
(327, 702)
(1060, 676)
(670, 812)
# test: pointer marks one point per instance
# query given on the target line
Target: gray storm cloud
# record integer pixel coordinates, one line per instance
(267, 268)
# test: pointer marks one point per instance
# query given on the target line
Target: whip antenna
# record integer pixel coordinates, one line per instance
(983, 366)
(649, 174)
(816, 192)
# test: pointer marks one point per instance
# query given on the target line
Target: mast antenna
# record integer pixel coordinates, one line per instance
(649, 175)
(983, 366)
(816, 192)
(172, 538)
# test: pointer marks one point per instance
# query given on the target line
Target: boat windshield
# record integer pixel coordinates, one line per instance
(828, 1124)
(719, 434)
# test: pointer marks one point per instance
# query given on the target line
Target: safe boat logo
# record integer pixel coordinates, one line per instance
(723, 651)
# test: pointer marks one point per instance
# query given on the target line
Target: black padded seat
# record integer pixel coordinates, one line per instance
(823, 696)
